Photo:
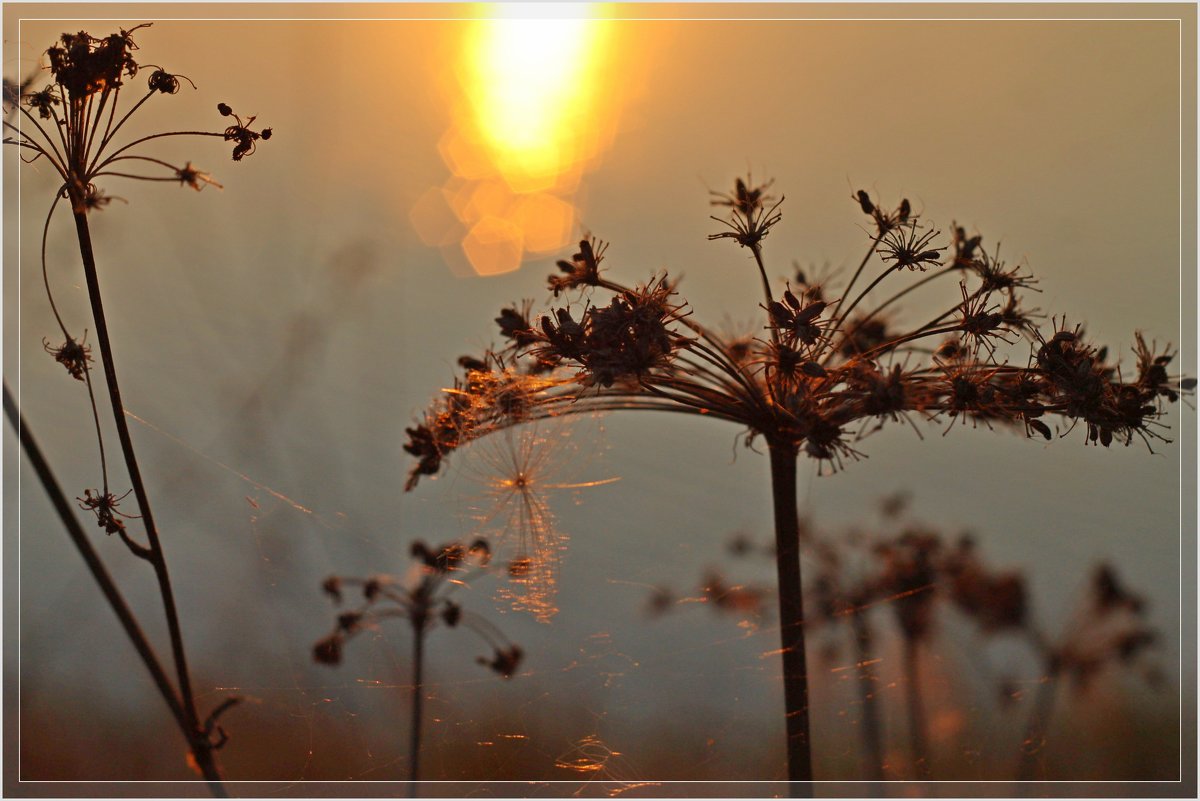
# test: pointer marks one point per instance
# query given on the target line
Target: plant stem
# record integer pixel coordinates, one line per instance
(96, 567)
(202, 751)
(418, 698)
(916, 713)
(1035, 730)
(867, 690)
(791, 617)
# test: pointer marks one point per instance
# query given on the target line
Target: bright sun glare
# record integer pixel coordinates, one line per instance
(531, 86)
(535, 105)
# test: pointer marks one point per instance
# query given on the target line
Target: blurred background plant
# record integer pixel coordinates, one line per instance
(892, 582)
(424, 601)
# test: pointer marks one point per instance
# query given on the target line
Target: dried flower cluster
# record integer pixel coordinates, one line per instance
(80, 110)
(74, 123)
(423, 601)
(827, 373)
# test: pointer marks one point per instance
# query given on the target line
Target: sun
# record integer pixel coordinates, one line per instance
(532, 85)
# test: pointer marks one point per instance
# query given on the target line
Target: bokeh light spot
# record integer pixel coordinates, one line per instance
(494, 246)
(548, 222)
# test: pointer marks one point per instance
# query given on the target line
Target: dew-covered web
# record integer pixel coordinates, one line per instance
(271, 373)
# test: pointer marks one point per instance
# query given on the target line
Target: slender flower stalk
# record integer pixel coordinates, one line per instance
(73, 124)
(425, 602)
(831, 371)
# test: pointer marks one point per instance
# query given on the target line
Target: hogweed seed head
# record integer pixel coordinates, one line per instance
(424, 601)
(835, 367)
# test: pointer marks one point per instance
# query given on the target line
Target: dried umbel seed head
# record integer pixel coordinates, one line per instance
(796, 319)
(421, 600)
(74, 356)
(884, 221)
(908, 247)
(515, 325)
(746, 199)
(828, 376)
(332, 587)
(84, 65)
(244, 138)
(582, 270)
(43, 101)
(190, 176)
(505, 661)
(95, 199)
(166, 82)
(751, 219)
(104, 506)
(328, 651)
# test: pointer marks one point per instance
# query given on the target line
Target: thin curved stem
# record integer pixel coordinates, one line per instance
(60, 127)
(45, 275)
(61, 157)
(919, 334)
(201, 747)
(171, 178)
(30, 144)
(140, 140)
(862, 265)
(756, 249)
(842, 317)
(109, 134)
(910, 288)
(94, 122)
(87, 375)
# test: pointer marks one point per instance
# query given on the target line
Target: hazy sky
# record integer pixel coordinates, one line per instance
(290, 326)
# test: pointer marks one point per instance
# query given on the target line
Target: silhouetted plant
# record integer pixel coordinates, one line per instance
(1107, 628)
(72, 124)
(827, 374)
(424, 601)
(915, 571)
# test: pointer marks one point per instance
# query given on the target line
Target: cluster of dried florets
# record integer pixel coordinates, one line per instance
(423, 600)
(75, 123)
(83, 103)
(828, 372)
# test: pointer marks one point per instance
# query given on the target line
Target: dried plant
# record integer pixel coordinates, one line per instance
(72, 123)
(424, 601)
(828, 372)
(912, 573)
